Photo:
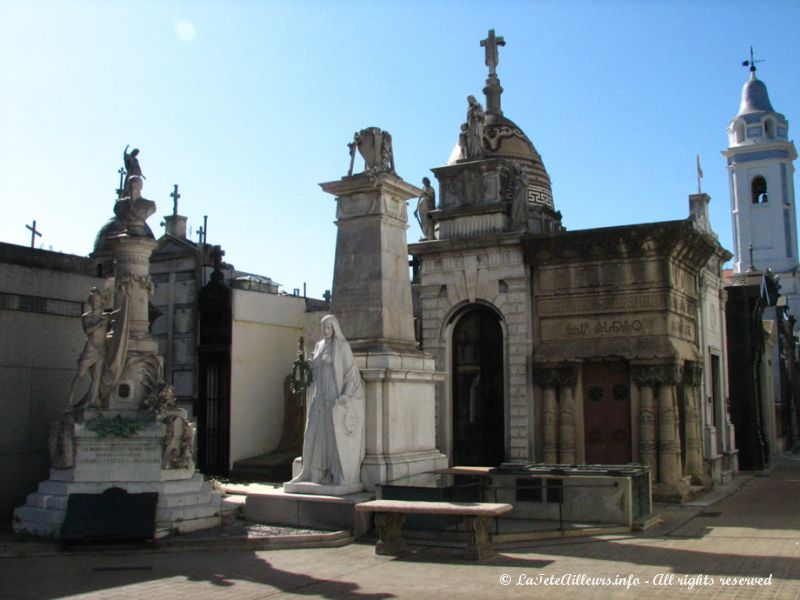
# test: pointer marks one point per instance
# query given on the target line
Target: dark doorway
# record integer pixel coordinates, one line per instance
(478, 398)
(213, 416)
(607, 413)
(214, 358)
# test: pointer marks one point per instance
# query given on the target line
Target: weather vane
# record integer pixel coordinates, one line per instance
(752, 62)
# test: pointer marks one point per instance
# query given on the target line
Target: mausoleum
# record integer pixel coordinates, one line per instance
(566, 346)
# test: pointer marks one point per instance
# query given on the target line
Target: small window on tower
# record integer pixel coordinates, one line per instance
(769, 128)
(739, 132)
(759, 189)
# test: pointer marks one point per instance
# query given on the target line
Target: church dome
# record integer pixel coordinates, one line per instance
(754, 97)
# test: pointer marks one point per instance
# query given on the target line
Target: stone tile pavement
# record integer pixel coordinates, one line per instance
(703, 550)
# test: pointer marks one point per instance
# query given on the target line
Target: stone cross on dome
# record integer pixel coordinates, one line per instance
(490, 45)
(175, 197)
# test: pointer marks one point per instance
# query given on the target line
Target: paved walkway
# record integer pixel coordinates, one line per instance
(698, 550)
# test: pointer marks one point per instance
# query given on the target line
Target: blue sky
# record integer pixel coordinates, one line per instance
(248, 105)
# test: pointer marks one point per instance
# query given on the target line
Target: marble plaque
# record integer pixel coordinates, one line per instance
(135, 458)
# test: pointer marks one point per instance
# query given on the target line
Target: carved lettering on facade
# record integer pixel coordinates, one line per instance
(601, 304)
(618, 326)
(604, 327)
(575, 329)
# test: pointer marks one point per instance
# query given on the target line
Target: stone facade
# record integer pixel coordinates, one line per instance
(493, 275)
(176, 268)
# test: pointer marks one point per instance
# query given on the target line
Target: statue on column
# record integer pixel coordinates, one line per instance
(473, 135)
(426, 204)
(334, 442)
(131, 208)
(375, 147)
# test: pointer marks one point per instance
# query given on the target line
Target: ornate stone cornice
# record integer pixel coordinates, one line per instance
(667, 239)
(652, 374)
(554, 375)
(693, 373)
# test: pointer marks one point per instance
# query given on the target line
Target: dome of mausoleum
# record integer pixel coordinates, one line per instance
(115, 227)
(502, 138)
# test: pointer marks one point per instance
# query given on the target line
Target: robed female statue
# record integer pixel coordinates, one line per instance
(334, 443)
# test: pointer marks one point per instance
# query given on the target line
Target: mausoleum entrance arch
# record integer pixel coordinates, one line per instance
(474, 419)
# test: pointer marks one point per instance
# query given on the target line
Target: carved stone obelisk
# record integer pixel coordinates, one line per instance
(372, 299)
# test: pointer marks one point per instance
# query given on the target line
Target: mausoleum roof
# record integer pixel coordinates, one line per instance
(502, 138)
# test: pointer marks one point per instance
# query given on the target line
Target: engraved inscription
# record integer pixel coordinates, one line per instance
(615, 327)
(609, 327)
(127, 454)
(601, 304)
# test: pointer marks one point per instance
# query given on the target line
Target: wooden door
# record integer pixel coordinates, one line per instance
(607, 413)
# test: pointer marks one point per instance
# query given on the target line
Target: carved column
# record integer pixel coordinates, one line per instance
(550, 425)
(692, 378)
(566, 414)
(645, 378)
(137, 369)
(558, 412)
(659, 440)
(132, 257)
(669, 445)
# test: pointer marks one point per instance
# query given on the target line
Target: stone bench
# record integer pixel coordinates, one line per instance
(389, 515)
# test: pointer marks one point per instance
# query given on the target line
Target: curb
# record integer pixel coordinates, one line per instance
(334, 539)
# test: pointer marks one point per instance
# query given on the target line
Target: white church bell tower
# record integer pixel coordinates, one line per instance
(761, 176)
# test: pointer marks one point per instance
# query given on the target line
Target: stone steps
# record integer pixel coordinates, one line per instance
(193, 484)
(183, 506)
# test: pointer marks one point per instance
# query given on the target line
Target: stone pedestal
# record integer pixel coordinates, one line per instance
(319, 511)
(401, 419)
(320, 489)
(185, 501)
(372, 299)
(371, 288)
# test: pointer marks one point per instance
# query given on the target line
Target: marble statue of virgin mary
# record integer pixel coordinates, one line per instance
(334, 443)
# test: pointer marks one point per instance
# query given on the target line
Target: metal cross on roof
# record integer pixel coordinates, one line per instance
(490, 45)
(34, 233)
